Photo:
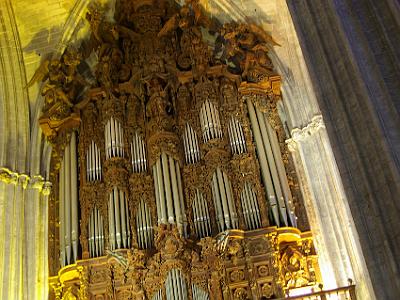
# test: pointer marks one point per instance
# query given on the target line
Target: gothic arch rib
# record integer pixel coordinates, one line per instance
(14, 136)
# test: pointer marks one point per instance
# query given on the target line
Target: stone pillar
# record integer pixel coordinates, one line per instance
(23, 236)
(336, 239)
(352, 55)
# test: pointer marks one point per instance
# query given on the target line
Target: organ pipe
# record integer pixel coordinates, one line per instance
(144, 226)
(68, 212)
(210, 122)
(158, 295)
(236, 136)
(67, 197)
(114, 137)
(265, 171)
(272, 165)
(175, 285)
(74, 197)
(201, 217)
(138, 154)
(96, 233)
(180, 190)
(119, 230)
(198, 293)
(61, 210)
(169, 193)
(93, 162)
(190, 145)
(281, 171)
(223, 201)
(251, 211)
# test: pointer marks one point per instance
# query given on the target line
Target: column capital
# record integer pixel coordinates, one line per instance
(301, 134)
(35, 182)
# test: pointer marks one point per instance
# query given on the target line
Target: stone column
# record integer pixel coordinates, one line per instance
(331, 221)
(352, 55)
(23, 236)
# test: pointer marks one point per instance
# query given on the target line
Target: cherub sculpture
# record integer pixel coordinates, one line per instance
(245, 48)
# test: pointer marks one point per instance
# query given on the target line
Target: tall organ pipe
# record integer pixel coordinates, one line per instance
(201, 217)
(74, 196)
(281, 171)
(182, 202)
(223, 201)
(265, 171)
(119, 230)
(190, 145)
(272, 165)
(210, 122)
(114, 137)
(68, 213)
(169, 193)
(96, 233)
(138, 154)
(251, 211)
(61, 210)
(67, 197)
(123, 221)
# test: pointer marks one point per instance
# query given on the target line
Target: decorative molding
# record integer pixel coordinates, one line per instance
(298, 135)
(35, 182)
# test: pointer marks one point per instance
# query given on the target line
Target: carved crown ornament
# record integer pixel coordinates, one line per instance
(158, 93)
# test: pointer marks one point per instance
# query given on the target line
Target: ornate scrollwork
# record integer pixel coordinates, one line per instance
(154, 73)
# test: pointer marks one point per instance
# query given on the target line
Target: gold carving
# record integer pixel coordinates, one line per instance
(154, 73)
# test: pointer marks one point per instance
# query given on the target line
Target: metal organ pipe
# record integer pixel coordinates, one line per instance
(182, 202)
(167, 185)
(230, 200)
(198, 293)
(158, 295)
(236, 136)
(74, 196)
(123, 220)
(61, 210)
(114, 137)
(67, 197)
(201, 217)
(93, 163)
(223, 201)
(281, 171)
(144, 226)
(111, 222)
(210, 122)
(251, 211)
(272, 165)
(119, 229)
(68, 209)
(175, 285)
(263, 162)
(138, 154)
(190, 145)
(169, 193)
(175, 194)
(96, 233)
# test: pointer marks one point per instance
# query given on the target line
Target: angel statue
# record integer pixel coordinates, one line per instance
(245, 48)
(61, 84)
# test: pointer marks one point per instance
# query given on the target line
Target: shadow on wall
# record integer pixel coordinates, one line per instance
(44, 42)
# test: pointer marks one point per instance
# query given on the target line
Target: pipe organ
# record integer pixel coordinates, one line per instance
(68, 200)
(251, 211)
(184, 188)
(96, 233)
(93, 163)
(201, 215)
